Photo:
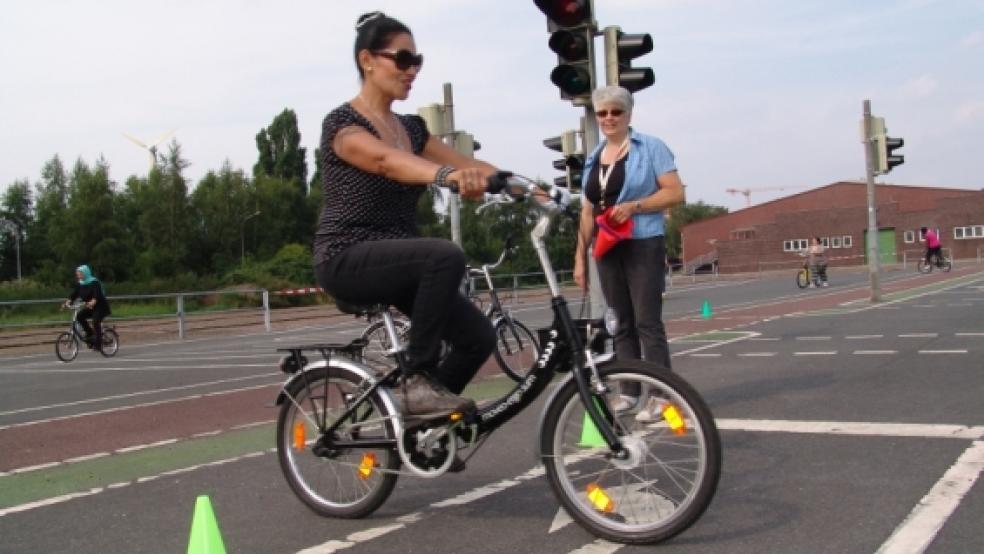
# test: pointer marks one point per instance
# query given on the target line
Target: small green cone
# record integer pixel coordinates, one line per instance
(705, 310)
(590, 436)
(205, 537)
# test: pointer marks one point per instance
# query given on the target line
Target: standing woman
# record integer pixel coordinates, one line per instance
(367, 248)
(629, 176)
(90, 292)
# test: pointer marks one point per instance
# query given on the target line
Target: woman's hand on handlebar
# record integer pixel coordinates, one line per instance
(471, 181)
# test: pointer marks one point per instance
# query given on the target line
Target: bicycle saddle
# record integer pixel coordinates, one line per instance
(359, 309)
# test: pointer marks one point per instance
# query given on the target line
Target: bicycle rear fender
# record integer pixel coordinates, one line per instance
(358, 371)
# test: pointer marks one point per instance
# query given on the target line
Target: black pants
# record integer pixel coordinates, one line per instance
(97, 319)
(633, 277)
(421, 278)
(934, 251)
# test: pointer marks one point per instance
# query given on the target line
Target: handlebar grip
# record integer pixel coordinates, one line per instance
(497, 183)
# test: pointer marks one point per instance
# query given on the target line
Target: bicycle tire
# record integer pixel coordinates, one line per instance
(329, 482)
(670, 477)
(516, 349)
(110, 343)
(378, 343)
(803, 278)
(947, 265)
(924, 267)
(66, 346)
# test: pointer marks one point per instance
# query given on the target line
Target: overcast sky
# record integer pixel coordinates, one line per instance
(749, 93)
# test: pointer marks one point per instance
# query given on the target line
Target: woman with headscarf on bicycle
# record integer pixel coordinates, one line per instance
(89, 291)
(368, 250)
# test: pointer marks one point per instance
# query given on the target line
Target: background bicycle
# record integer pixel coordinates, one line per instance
(941, 262)
(68, 343)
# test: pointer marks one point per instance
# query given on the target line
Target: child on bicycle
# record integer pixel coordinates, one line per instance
(89, 291)
(817, 258)
(933, 246)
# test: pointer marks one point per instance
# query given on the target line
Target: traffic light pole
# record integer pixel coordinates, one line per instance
(590, 139)
(869, 162)
(454, 201)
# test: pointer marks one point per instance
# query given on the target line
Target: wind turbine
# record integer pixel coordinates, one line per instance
(152, 149)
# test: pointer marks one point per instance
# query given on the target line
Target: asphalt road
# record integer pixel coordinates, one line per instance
(847, 427)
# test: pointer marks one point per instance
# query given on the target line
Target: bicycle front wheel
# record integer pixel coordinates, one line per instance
(946, 265)
(335, 482)
(66, 347)
(673, 465)
(378, 343)
(516, 349)
(802, 278)
(110, 343)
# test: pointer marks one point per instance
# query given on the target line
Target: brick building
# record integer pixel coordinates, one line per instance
(771, 235)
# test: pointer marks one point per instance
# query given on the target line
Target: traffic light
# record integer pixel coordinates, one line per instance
(620, 50)
(572, 27)
(885, 146)
(571, 164)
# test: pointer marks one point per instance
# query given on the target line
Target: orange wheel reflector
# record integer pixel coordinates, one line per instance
(299, 436)
(456, 417)
(673, 418)
(601, 501)
(367, 465)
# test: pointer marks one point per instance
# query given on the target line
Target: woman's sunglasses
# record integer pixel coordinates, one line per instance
(602, 114)
(403, 59)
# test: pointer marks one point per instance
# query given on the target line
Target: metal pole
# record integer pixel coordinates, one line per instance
(181, 316)
(17, 244)
(869, 164)
(454, 200)
(266, 309)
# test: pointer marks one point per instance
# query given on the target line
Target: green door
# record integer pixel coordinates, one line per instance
(886, 246)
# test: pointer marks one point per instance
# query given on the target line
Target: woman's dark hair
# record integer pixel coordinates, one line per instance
(374, 30)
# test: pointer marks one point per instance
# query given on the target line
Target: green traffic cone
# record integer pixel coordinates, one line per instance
(705, 310)
(590, 436)
(205, 537)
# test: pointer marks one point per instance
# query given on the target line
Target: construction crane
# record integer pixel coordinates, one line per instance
(747, 192)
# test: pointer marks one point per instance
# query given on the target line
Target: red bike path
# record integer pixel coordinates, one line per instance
(33, 444)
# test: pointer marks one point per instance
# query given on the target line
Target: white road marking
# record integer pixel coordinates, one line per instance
(764, 339)
(600, 546)
(942, 351)
(860, 337)
(919, 336)
(813, 338)
(184, 367)
(706, 355)
(923, 430)
(818, 353)
(756, 354)
(561, 520)
(875, 352)
(914, 535)
(145, 446)
(970, 334)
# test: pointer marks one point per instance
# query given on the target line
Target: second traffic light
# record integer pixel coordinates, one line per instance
(572, 163)
(572, 26)
(885, 146)
(620, 50)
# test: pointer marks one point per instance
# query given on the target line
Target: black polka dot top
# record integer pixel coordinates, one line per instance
(360, 206)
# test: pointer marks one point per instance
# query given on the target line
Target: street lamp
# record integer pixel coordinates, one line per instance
(242, 236)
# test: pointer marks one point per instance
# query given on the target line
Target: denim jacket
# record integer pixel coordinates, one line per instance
(648, 158)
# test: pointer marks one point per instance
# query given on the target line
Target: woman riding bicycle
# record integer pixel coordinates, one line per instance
(89, 291)
(933, 246)
(368, 250)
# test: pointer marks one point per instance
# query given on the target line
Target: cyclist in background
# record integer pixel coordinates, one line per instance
(817, 258)
(89, 291)
(933, 247)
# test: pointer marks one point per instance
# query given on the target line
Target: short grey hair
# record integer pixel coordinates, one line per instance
(613, 94)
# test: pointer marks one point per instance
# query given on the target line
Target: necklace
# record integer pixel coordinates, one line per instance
(397, 136)
(605, 172)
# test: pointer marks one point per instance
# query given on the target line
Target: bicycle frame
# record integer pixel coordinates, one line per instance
(563, 349)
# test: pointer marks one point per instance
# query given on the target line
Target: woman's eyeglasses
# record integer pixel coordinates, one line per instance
(602, 114)
(404, 59)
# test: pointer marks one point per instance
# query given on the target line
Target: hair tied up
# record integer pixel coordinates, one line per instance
(372, 16)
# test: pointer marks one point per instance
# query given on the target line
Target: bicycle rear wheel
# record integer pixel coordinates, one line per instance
(672, 470)
(66, 347)
(335, 482)
(516, 349)
(946, 265)
(110, 343)
(802, 278)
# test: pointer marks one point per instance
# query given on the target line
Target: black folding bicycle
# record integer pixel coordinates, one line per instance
(341, 439)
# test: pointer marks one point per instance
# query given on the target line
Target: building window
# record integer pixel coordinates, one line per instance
(909, 237)
(835, 242)
(847, 241)
(794, 245)
(742, 234)
(825, 241)
(969, 232)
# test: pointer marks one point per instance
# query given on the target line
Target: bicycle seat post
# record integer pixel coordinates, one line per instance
(397, 345)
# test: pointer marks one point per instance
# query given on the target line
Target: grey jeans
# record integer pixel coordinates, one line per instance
(633, 278)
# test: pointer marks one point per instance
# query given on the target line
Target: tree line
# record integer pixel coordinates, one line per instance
(231, 227)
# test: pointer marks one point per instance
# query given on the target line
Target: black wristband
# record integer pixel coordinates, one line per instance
(441, 177)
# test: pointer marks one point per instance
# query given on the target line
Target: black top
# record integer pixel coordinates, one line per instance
(91, 291)
(361, 206)
(615, 181)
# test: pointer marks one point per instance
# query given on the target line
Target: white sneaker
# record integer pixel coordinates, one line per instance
(826, 284)
(812, 286)
(651, 412)
(624, 403)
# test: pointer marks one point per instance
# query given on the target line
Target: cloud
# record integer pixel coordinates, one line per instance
(920, 87)
(969, 112)
(972, 40)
